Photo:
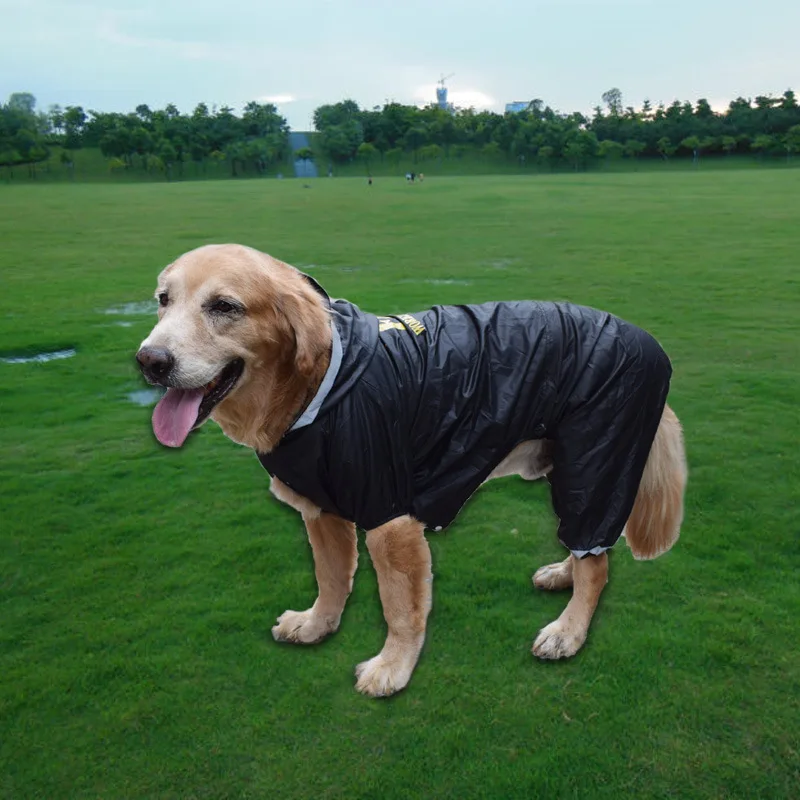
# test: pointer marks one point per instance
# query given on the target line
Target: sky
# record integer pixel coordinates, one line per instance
(111, 55)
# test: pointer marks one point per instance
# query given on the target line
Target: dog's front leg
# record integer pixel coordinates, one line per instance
(333, 543)
(402, 561)
(565, 636)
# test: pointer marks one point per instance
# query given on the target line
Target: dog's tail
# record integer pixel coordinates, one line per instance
(655, 522)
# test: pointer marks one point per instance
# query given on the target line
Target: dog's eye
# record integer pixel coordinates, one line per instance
(163, 298)
(222, 307)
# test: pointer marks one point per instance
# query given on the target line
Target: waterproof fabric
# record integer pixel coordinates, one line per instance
(421, 408)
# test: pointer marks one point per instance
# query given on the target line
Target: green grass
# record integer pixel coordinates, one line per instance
(475, 163)
(91, 166)
(138, 584)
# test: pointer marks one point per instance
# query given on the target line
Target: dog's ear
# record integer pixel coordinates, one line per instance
(307, 340)
(299, 319)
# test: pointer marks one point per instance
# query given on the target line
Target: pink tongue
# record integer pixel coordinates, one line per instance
(175, 415)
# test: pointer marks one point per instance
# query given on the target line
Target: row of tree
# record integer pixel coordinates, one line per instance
(163, 140)
(766, 126)
(257, 140)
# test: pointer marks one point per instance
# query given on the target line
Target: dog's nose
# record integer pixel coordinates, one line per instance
(155, 362)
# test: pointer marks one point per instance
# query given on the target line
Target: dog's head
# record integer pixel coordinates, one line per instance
(237, 333)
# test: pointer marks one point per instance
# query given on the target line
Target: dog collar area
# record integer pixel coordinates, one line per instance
(312, 409)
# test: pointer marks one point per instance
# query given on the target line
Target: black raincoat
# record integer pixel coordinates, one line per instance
(417, 410)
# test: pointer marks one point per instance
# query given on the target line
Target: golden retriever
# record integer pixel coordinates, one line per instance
(248, 341)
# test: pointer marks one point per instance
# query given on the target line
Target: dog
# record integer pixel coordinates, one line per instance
(391, 424)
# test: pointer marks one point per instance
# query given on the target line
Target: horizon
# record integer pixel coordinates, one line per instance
(719, 108)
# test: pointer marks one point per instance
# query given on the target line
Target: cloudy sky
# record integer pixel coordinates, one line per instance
(111, 55)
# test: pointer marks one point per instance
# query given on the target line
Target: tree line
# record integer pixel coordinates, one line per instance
(256, 141)
(162, 140)
(766, 126)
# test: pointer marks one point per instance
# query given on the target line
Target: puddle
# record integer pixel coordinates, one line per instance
(133, 309)
(441, 282)
(501, 263)
(40, 358)
(144, 397)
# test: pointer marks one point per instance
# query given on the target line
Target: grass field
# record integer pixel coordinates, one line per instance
(138, 585)
(91, 166)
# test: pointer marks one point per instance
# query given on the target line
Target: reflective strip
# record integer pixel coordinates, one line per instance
(595, 551)
(310, 414)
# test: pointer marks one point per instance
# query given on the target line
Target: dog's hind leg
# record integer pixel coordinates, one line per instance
(554, 577)
(333, 543)
(564, 637)
(402, 559)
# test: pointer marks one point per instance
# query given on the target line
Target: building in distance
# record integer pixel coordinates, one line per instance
(517, 106)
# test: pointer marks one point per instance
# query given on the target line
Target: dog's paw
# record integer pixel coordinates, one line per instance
(381, 677)
(556, 640)
(302, 627)
(554, 577)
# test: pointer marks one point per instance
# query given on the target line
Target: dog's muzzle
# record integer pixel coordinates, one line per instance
(156, 364)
